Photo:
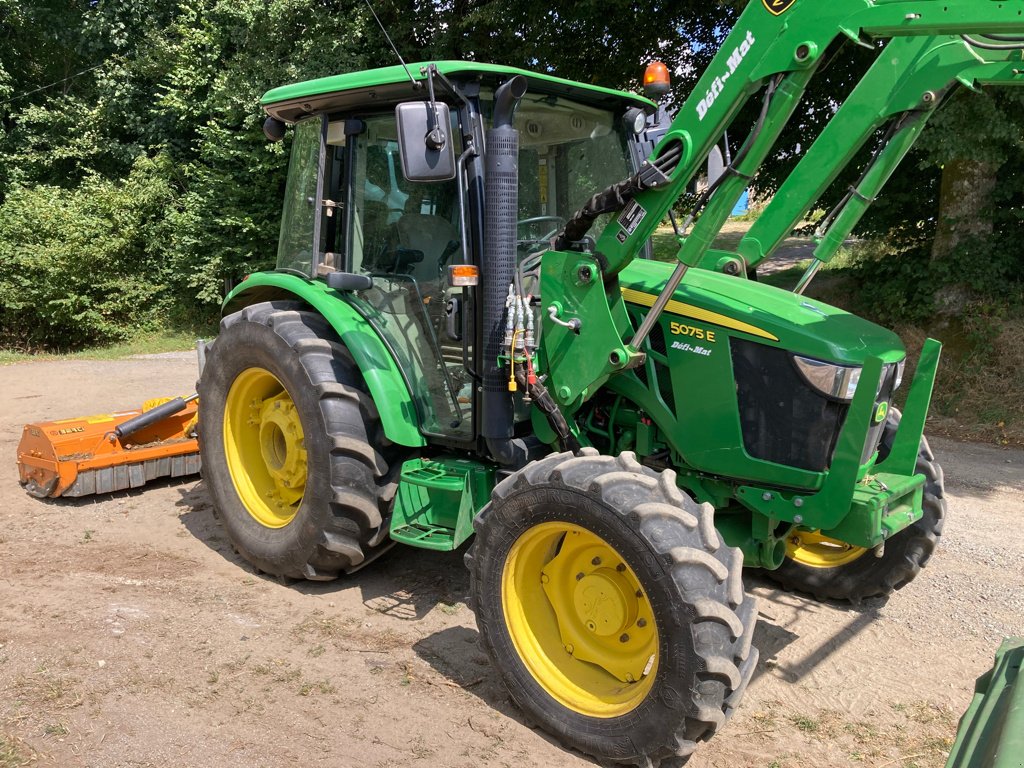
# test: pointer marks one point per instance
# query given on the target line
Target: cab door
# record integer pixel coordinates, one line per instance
(404, 235)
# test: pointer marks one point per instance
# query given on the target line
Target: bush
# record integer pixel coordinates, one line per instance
(85, 266)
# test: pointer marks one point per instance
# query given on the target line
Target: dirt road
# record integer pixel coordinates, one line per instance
(130, 635)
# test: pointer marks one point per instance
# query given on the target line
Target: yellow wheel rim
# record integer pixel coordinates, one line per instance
(579, 620)
(265, 449)
(813, 549)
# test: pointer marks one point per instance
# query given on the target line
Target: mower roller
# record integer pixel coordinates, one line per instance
(110, 452)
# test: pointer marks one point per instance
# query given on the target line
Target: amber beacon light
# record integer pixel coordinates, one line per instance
(656, 80)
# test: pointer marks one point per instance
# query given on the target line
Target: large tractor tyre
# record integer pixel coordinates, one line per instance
(832, 570)
(610, 607)
(292, 446)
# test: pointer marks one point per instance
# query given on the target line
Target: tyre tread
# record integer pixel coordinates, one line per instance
(363, 478)
(704, 570)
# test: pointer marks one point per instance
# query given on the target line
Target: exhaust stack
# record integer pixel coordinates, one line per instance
(501, 196)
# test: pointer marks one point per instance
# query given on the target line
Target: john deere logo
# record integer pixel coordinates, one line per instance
(777, 7)
(881, 412)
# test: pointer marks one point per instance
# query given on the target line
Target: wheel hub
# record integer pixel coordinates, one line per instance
(604, 603)
(282, 446)
(265, 447)
(813, 549)
(579, 619)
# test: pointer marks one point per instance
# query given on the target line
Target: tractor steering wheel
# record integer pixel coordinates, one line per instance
(545, 239)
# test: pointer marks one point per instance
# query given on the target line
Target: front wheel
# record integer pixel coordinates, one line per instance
(611, 608)
(833, 570)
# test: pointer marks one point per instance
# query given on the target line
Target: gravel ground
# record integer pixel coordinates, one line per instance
(131, 635)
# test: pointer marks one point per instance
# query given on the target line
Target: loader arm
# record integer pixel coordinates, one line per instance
(764, 46)
(775, 48)
(902, 90)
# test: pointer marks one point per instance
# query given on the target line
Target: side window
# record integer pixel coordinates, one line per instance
(406, 234)
(398, 226)
(298, 216)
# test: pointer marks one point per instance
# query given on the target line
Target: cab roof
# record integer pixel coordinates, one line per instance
(390, 85)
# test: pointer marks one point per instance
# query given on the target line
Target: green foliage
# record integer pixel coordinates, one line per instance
(140, 182)
(84, 266)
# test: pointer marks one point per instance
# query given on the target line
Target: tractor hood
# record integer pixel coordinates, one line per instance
(763, 313)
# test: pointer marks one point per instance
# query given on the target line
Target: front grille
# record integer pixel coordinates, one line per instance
(786, 421)
(782, 418)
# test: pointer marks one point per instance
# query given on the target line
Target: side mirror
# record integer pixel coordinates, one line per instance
(428, 152)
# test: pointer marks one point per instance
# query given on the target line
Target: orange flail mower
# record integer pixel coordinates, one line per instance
(110, 452)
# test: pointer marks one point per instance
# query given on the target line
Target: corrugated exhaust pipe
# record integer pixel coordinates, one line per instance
(501, 196)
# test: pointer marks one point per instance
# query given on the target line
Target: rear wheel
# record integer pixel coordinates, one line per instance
(288, 436)
(830, 569)
(611, 608)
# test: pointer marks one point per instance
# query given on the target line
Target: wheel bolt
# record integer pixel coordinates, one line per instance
(569, 649)
(641, 622)
(596, 561)
(544, 579)
(620, 567)
(630, 678)
(579, 576)
(639, 593)
(623, 638)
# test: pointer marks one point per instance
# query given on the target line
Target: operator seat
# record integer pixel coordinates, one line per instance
(434, 236)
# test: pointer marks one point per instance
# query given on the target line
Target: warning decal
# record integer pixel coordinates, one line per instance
(777, 7)
(630, 219)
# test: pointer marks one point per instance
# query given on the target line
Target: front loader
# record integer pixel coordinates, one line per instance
(464, 335)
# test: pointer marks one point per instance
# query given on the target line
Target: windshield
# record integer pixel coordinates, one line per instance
(568, 151)
(295, 247)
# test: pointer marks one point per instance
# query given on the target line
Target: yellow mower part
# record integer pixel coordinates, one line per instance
(84, 456)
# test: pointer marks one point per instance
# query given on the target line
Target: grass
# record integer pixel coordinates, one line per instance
(143, 344)
(309, 687)
(806, 724)
(10, 755)
(916, 733)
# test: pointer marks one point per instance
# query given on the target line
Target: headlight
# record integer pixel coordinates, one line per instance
(838, 381)
(899, 373)
(635, 119)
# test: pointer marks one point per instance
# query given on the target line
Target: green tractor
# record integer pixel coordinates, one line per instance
(465, 335)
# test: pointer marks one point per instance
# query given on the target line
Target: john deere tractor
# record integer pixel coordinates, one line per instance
(465, 335)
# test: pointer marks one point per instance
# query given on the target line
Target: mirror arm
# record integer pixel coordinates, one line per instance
(435, 138)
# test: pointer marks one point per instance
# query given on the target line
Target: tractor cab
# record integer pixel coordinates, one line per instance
(351, 210)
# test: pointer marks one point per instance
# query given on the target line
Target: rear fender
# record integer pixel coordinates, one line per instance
(383, 377)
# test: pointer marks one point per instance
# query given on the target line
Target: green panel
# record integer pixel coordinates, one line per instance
(991, 732)
(437, 500)
(383, 377)
(702, 424)
(397, 75)
(579, 363)
(766, 314)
